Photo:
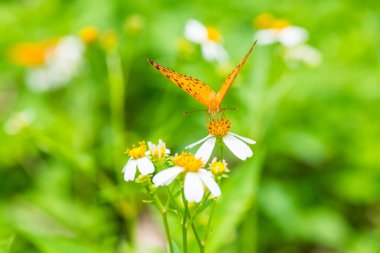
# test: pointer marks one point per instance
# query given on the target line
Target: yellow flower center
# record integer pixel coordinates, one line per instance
(263, 21)
(188, 162)
(31, 54)
(280, 24)
(213, 34)
(218, 168)
(219, 127)
(89, 34)
(137, 152)
(267, 21)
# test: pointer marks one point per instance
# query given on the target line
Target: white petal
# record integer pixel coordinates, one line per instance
(205, 151)
(247, 140)
(167, 151)
(195, 31)
(145, 166)
(214, 51)
(198, 142)
(293, 35)
(266, 37)
(209, 181)
(167, 176)
(129, 170)
(237, 147)
(193, 187)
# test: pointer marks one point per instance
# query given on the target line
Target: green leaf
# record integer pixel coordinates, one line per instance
(5, 244)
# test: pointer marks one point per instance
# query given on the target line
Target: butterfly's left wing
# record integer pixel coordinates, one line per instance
(231, 77)
(190, 85)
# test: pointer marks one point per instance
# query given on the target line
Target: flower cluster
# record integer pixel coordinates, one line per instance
(271, 30)
(155, 160)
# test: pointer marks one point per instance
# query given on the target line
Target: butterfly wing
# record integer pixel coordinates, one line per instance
(231, 77)
(190, 85)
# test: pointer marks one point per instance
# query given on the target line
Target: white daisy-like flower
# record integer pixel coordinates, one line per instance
(138, 160)
(61, 63)
(195, 179)
(271, 30)
(220, 129)
(158, 151)
(208, 38)
(303, 54)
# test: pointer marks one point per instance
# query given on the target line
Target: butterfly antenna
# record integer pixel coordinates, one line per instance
(231, 108)
(187, 113)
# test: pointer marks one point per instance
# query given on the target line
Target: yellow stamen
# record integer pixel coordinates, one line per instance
(188, 161)
(263, 21)
(267, 21)
(280, 24)
(213, 34)
(219, 127)
(218, 168)
(137, 152)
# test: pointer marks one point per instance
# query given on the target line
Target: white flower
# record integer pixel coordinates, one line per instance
(195, 179)
(61, 64)
(303, 53)
(195, 31)
(271, 30)
(219, 129)
(209, 40)
(235, 143)
(288, 36)
(159, 151)
(139, 161)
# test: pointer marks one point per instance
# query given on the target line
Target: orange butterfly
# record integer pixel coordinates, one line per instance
(200, 91)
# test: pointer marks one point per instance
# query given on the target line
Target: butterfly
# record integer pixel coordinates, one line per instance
(199, 90)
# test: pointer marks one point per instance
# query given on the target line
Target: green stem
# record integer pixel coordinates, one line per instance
(171, 198)
(205, 237)
(184, 225)
(199, 241)
(164, 212)
(117, 97)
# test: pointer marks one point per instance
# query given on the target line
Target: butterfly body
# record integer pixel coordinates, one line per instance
(197, 89)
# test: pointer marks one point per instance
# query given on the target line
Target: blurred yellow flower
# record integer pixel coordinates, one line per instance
(89, 34)
(31, 54)
(109, 40)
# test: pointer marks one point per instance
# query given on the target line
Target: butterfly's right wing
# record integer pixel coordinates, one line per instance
(231, 77)
(190, 85)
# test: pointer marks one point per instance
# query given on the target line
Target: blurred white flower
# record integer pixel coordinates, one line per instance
(19, 121)
(195, 179)
(288, 36)
(271, 30)
(303, 54)
(138, 160)
(208, 38)
(61, 63)
(219, 129)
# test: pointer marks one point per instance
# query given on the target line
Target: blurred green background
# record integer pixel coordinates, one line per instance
(313, 184)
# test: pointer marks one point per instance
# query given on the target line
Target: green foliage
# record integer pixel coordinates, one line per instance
(313, 184)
